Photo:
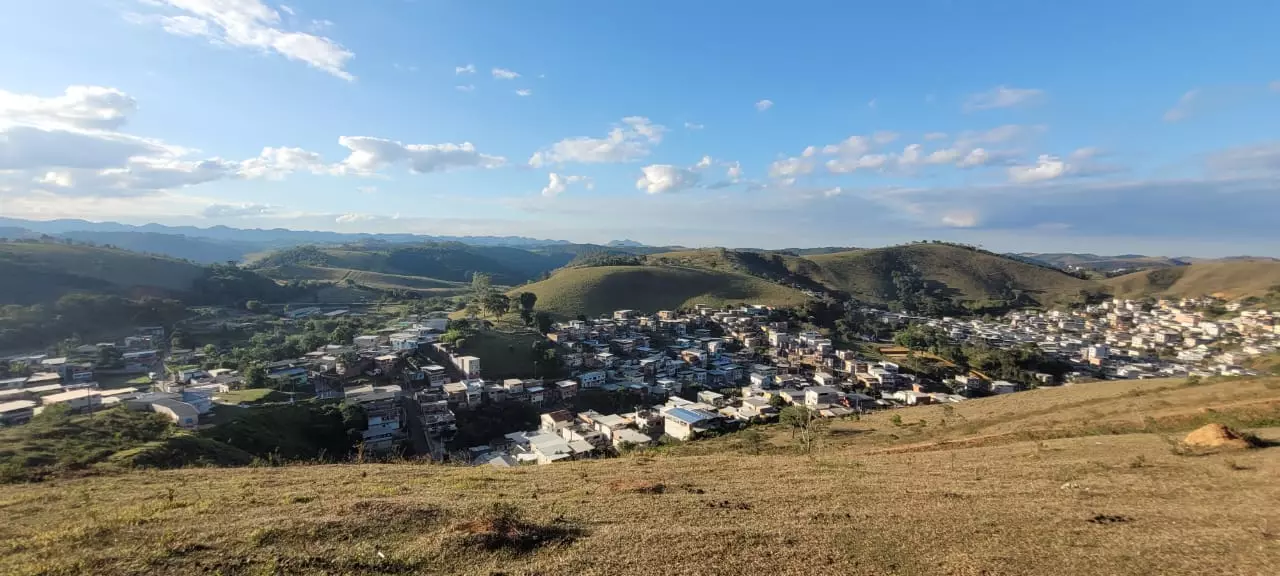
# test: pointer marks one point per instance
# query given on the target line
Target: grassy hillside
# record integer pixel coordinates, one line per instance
(371, 279)
(41, 272)
(597, 290)
(1229, 279)
(445, 261)
(1096, 486)
(1102, 263)
(958, 272)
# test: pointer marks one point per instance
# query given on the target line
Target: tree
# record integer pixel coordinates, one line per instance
(342, 334)
(497, 304)
(526, 306)
(543, 320)
(110, 357)
(179, 339)
(255, 306)
(256, 376)
(806, 426)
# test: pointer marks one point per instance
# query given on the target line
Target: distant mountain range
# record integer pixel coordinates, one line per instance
(223, 243)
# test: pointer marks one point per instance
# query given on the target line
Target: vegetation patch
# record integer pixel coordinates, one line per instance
(503, 528)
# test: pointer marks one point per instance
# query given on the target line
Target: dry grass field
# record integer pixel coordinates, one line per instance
(1080, 480)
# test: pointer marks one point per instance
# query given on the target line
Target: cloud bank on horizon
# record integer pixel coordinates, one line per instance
(1064, 134)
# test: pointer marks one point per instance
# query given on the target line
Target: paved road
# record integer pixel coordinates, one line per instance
(417, 435)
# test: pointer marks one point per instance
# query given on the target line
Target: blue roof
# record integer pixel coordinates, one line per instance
(690, 416)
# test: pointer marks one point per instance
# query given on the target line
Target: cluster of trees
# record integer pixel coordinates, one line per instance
(486, 300)
(83, 317)
(596, 259)
(483, 423)
(230, 284)
(271, 346)
(57, 442)
(1016, 364)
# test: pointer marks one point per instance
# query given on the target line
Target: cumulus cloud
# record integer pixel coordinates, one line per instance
(763, 105)
(249, 24)
(629, 141)
(1046, 168)
(78, 108)
(468, 69)
(276, 163)
(369, 155)
(504, 74)
(1183, 107)
(1002, 97)
(790, 168)
(353, 218)
(734, 172)
(705, 162)
(237, 210)
(662, 178)
(884, 137)
(560, 182)
(465, 87)
(524, 92)
(693, 126)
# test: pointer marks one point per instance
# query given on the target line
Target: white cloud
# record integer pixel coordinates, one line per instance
(630, 141)
(524, 92)
(237, 210)
(975, 157)
(960, 219)
(468, 69)
(504, 74)
(832, 192)
(1002, 97)
(287, 10)
(661, 178)
(935, 136)
(354, 218)
(789, 168)
(850, 155)
(763, 105)
(276, 163)
(79, 108)
(465, 87)
(734, 172)
(369, 155)
(1046, 168)
(560, 182)
(251, 24)
(693, 126)
(1183, 108)
(705, 162)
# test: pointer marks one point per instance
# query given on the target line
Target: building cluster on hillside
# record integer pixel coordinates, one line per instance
(71, 381)
(1128, 339)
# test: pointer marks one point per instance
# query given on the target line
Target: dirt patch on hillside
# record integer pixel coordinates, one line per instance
(1216, 437)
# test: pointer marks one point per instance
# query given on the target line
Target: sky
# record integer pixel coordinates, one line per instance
(1088, 126)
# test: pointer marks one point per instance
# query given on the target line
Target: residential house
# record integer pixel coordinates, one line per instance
(816, 395)
(16, 412)
(687, 424)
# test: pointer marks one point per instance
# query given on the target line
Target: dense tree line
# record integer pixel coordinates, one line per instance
(83, 317)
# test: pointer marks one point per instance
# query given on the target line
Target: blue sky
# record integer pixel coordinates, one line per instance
(1048, 126)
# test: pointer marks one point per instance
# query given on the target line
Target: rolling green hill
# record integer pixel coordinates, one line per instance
(376, 280)
(601, 289)
(1230, 279)
(954, 272)
(444, 261)
(42, 272)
